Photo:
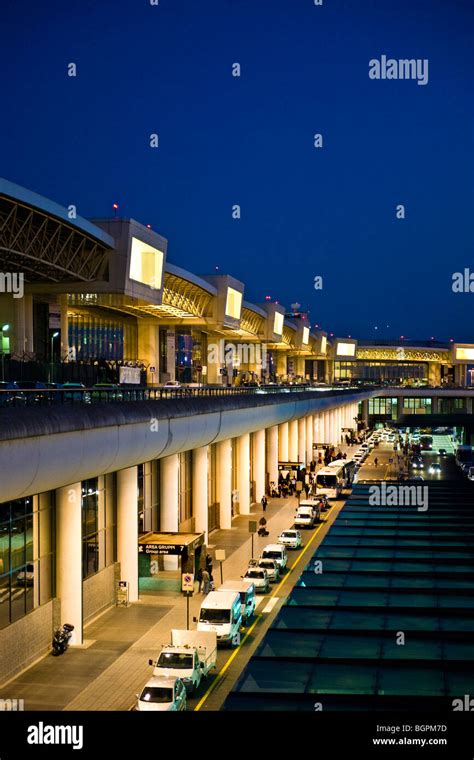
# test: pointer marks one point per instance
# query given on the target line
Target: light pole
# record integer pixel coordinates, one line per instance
(5, 328)
(53, 336)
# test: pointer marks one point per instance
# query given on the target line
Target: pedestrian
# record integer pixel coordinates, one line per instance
(206, 582)
(376, 461)
(264, 502)
(199, 578)
(209, 565)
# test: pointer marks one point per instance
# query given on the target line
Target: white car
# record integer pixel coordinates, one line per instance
(273, 571)
(172, 384)
(163, 694)
(290, 538)
(259, 578)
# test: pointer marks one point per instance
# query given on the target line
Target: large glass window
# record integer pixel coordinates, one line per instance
(26, 556)
(417, 405)
(90, 527)
(148, 496)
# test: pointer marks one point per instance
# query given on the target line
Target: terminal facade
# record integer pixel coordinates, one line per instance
(99, 301)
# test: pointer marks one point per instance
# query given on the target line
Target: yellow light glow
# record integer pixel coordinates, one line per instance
(233, 306)
(146, 264)
(324, 342)
(278, 323)
(305, 340)
(465, 354)
(346, 349)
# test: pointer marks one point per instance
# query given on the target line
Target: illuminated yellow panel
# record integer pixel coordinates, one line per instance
(323, 344)
(305, 340)
(346, 349)
(146, 264)
(278, 324)
(233, 304)
(465, 354)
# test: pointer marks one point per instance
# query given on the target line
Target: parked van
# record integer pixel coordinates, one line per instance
(246, 589)
(222, 613)
(276, 552)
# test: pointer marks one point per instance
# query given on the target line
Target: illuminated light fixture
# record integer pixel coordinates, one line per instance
(149, 226)
(465, 354)
(451, 340)
(331, 335)
(278, 323)
(305, 339)
(268, 298)
(323, 344)
(146, 264)
(233, 305)
(345, 349)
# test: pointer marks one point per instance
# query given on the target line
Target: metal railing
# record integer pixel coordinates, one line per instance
(53, 396)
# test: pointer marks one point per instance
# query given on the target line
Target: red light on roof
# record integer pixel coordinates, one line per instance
(149, 226)
(268, 298)
(115, 206)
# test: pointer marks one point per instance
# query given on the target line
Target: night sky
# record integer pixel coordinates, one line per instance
(248, 140)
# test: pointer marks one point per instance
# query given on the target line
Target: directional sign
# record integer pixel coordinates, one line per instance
(160, 549)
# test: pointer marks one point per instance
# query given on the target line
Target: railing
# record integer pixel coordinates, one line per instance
(52, 396)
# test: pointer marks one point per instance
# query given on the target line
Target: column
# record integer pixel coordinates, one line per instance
(64, 327)
(148, 347)
(259, 469)
(283, 442)
(302, 440)
(127, 528)
(293, 441)
(199, 491)
(224, 482)
(309, 438)
(69, 557)
(243, 476)
(272, 454)
(169, 501)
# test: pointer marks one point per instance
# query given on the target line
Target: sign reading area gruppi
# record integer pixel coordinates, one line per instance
(160, 548)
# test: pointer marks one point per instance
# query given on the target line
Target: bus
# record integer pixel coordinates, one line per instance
(330, 480)
(426, 442)
(348, 470)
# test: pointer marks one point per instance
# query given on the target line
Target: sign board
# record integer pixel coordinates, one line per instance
(252, 526)
(176, 549)
(290, 465)
(129, 375)
(187, 582)
(152, 370)
(299, 485)
(220, 555)
(122, 592)
(317, 446)
(204, 370)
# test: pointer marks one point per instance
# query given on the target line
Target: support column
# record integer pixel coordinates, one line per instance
(169, 501)
(272, 454)
(243, 479)
(309, 438)
(64, 352)
(302, 440)
(69, 557)
(127, 528)
(259, 469)
(224, 482)
(200, 491)
(293, 441)
(283, 442)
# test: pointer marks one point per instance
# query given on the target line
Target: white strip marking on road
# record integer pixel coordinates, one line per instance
(258, 601)
(270, 605)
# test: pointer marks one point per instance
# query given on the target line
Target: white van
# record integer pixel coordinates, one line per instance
(276, 552)
(306, 514)
(221, 612)
(246, 589)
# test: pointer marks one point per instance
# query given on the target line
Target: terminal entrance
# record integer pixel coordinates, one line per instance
(163, 558)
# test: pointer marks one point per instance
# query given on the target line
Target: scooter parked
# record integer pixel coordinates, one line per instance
(61, 639)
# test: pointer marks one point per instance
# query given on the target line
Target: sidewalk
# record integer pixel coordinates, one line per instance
(112, 666)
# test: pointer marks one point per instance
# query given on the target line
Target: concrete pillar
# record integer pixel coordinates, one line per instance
(272, 454)
(259, 468)
(200, 491)
(149, 347)
(243, 476)
(69, 557)
(64, 326)
(169, 501)
(302, 440)
(127, 528)
(331, 427)
(283, 442)
(365, 412)
(318, 428)
(309, 438)
(293, 441)
(22, 339)
(224, 482)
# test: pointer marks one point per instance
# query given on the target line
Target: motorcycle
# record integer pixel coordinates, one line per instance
(61, 638)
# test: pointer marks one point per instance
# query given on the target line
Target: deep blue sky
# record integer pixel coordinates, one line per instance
(249, 140)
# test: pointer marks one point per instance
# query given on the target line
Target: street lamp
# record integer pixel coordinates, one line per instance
(53, 336)
(5, 328)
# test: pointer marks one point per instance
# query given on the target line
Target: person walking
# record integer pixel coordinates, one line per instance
(206, 582)
(264, 502)
(199, 578)
(376, 461)
(209, 565)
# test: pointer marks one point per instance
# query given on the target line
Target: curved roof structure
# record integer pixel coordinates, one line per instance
(38, 238)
